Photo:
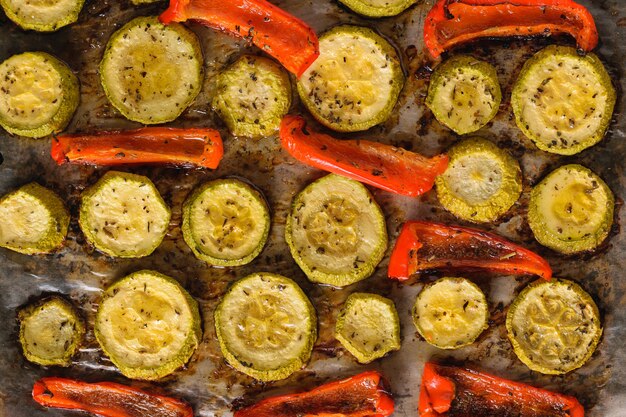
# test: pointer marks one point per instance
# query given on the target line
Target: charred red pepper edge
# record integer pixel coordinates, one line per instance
(276, 32)
(151, 145)
(425, 246)
(447, 389)
(452, 22)
(392, 169)
(362, 395)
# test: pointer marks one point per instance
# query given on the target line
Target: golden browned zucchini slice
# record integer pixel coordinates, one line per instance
(42, 15)
(378, 8)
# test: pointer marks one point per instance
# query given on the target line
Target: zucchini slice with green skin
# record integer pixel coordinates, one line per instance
(481, 183)
(378, 8)
(124, 215)
(37, 220)
(266, 326)
(464, 94)
(563, 101)
(151, 72)
(42, 16)
(148, 325)
(451, 313)
(253, 95)
(39, 94)
(554, 326)
(50, 332)
(226, 222)
(368, 326)
(571, 210)
(355, 82)
(336, 231)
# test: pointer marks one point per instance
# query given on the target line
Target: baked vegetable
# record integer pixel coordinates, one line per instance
(571, 210)
(124, 215)
(36, 220)
(378, 8)
(148, 325)
(355, 82)
(226, 222)
(151, 72)
(266, 326)
(39, 94)
(336, 231)
(481, 183)
(42, 16)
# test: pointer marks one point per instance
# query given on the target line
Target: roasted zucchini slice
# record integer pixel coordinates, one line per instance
(451, 313)
(554, 326)
(355, 82)
(226, 222)
(368, 326)
(266, 326)
(148, 325)
(563, 101)
(39, 94)
(336, 231)
(35, 220)
(151, 72)
(42, 15)
(378, 8)
(50, 331)
(253, 95)
(571, 210)
(481, 183)
(124, 215)
(464, 94)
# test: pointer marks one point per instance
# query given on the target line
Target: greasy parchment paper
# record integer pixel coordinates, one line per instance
(208, 383)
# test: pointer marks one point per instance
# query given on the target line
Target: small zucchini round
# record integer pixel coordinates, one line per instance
(554, 326)
(336, 231)
(563, 101)
(355, 82)
(148, 325)
(378, 8)
(368, 326)
(39, 94)
(42, 16)
(266, 326)
(571, 210)
(151, 72)
(481, 182)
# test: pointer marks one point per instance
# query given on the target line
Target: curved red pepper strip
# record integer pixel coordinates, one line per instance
(106, 399)
(151, 145)
(276, 32)
(452, 22)
(389, 168)
(362, 395)
(425, 246)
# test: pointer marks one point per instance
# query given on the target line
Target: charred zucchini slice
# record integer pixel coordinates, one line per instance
(253, 95)
(50, 332)
(481, 183)
(148, 325)
(563, 101)
(226, 222)
(554, 326)
(368, 326)
(39, 94)
(336, 231)
(42, 15)
(151, 72)
(451, 313)
(124, 215)
(35, 220)
(378, 8)
(355, 82)
(464, 94)
(571, 210)
(266, 326)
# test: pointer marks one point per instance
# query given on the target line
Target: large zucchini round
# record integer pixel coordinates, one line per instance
(42, 15)
(378, 8)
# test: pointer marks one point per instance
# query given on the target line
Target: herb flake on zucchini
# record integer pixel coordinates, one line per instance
(378, 8)
(42, 15)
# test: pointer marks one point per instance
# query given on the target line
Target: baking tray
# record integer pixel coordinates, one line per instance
(208, 383)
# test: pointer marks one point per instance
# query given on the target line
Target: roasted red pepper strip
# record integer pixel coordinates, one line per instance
(106, 399)
(452, 22)
(449, 391)
(150, 145)
(285, 37)
(359, 396)
(424, 246)
(389, 168)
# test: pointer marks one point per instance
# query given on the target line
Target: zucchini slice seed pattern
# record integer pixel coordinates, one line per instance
(42, 16)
